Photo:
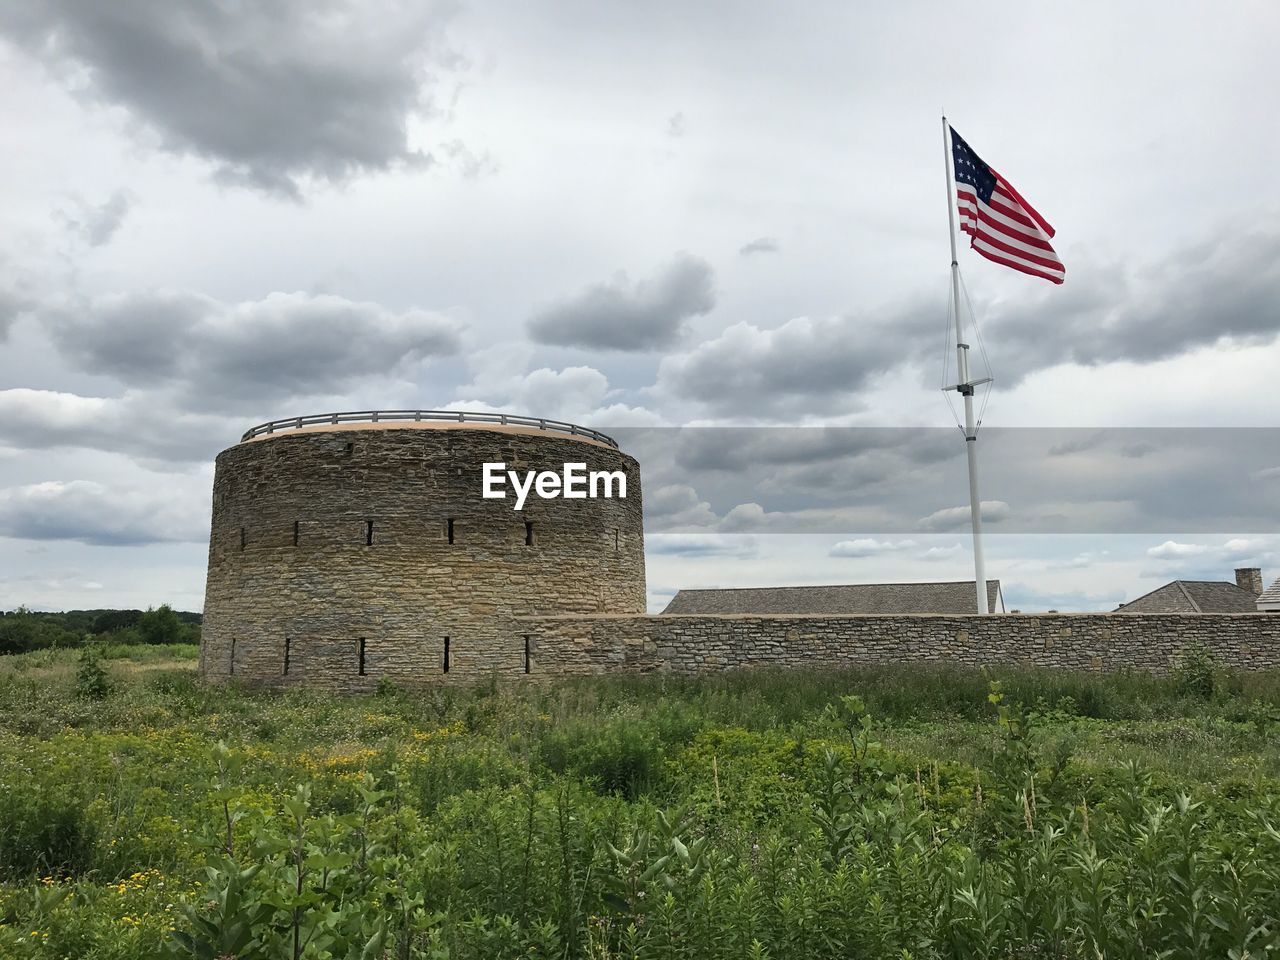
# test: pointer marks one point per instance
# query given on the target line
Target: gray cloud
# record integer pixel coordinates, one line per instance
(1077, 444)
(96, 225)
(760, 245)
(676, 125)
(739, 449)
(701, 545)
(1229, 289)
(895, 480)
(92, 513)
(1226, 288)
(621, 315)
(12, 306)
(273, 94)
(129, 425)
(781, 372)
(797, 464)
(245, 354)
(678, 506)
(951, 518)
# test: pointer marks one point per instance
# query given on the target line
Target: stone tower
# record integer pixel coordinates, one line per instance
(349, 548)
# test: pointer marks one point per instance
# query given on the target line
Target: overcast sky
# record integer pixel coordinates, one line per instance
(644, 217)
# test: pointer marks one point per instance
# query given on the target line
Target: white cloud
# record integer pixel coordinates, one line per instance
(1243, 546)
(936, 554)
(676, 506)
(1172, 550)
(1211, 559)
(501, 382)
(869, 547)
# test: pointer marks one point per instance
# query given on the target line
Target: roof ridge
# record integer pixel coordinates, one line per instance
(991, 581)
(1187, 593)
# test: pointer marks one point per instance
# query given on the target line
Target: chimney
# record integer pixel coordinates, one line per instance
(1249, 578)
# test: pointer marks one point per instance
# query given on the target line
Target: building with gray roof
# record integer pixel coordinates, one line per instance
(951, 597)
(1269, 600)
(1202, 596)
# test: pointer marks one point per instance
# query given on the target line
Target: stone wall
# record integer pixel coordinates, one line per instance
(576, 645)
(301, 590)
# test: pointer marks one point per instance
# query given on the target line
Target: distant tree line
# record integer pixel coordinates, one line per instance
(23, 630)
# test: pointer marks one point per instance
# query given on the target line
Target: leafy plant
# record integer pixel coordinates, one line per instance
(1196, 673)
(91, 679)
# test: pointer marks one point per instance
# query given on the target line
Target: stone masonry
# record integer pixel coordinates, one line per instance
(577, 646)
(330, 561)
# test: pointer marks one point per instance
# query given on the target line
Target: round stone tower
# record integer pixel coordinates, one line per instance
(349, 548)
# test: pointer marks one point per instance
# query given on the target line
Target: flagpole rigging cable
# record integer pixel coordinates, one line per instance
(964, 385)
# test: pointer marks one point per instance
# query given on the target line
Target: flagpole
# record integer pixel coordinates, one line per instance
(964, 385)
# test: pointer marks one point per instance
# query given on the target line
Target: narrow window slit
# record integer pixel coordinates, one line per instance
(286, 656)
(617, 540)
(297, 531)
(526, 653)
(450, 531)
(362, 673)
(242, 538)
(368, 533)
(528, 533)
(446, 655)
(232, 669)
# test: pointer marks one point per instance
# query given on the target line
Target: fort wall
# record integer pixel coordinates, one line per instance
(576, 646)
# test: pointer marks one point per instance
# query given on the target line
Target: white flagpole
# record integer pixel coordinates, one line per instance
(964, 385)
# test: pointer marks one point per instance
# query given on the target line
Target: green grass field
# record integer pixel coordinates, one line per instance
(877, 813)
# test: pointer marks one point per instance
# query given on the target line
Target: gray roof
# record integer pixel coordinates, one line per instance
(956, 597)
(1271, 594)
(1193, 596)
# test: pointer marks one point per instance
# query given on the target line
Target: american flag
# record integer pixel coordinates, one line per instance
(1001, 225)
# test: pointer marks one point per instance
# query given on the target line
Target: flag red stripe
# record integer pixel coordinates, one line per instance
(1021, 268)
(1012, 244)
(980, 245)
(984, 244)
(1017, 198)
(1000, 205)
(1005, 205)
(1035, 239)
(999, 244)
